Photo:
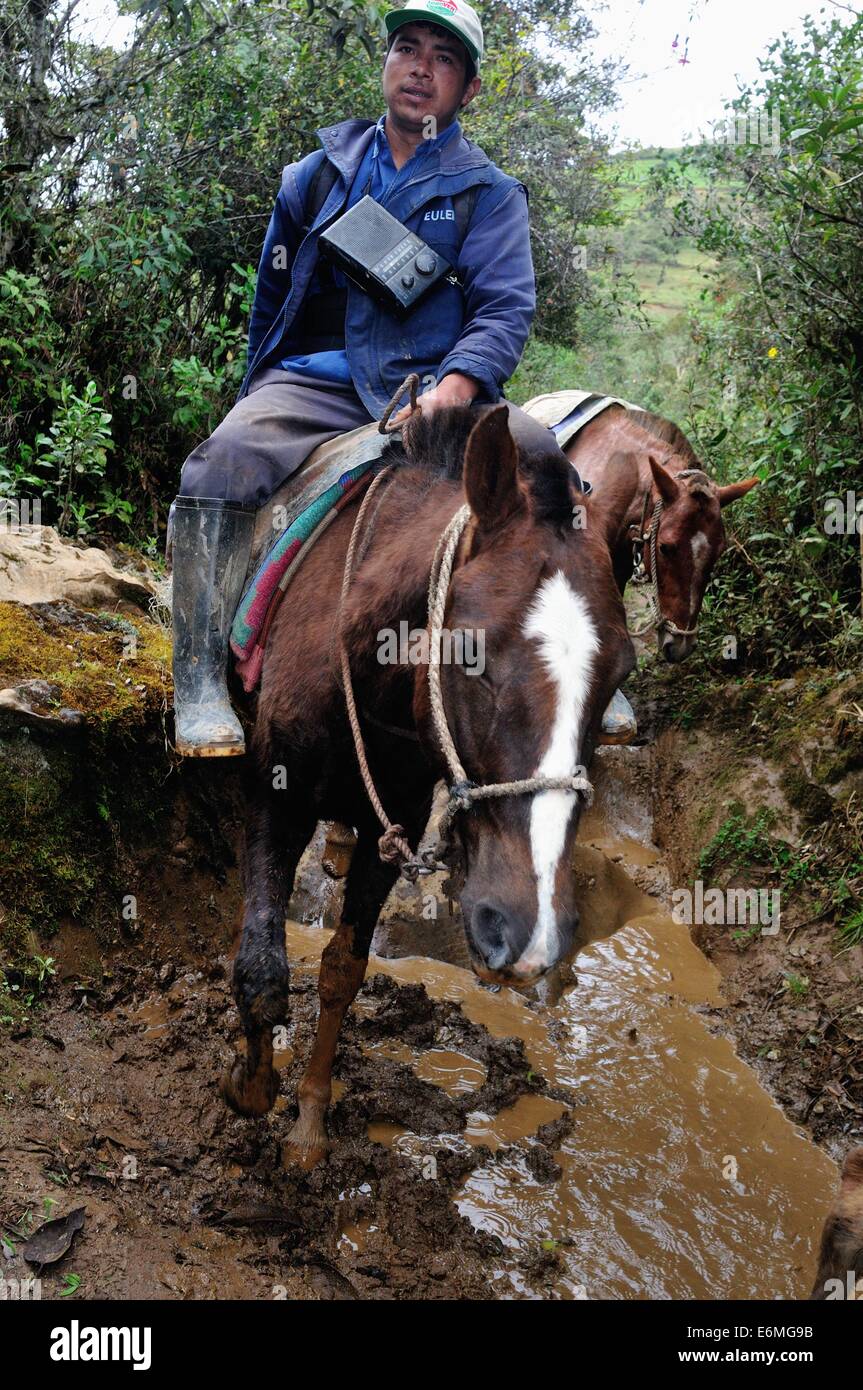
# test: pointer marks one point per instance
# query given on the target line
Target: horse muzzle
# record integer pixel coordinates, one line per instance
(504, 950)
(675, 647)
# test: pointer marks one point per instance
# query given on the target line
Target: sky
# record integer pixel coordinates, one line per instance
(663, 101)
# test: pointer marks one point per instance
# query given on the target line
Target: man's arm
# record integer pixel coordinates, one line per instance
(497, 273)
(277, 258)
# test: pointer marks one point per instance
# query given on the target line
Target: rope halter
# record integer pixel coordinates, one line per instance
(640, 576)
(464, 794)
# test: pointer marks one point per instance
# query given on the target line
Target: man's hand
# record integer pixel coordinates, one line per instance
(455, 389)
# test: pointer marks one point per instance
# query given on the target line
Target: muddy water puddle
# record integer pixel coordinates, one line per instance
(681, 1177)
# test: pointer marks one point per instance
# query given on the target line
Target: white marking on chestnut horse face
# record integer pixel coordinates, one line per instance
(700, 551)
(560, 621)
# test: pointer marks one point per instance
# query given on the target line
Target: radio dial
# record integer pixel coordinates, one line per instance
(408, 281)
(425, 264)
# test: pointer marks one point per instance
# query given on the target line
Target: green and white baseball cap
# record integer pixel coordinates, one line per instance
(460, 18)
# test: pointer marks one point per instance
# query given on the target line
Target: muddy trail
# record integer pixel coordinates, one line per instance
(600, 1140)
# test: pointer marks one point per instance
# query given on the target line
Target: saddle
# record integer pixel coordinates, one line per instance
(567, 412)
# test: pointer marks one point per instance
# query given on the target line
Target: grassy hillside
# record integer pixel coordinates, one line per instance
(641, 352)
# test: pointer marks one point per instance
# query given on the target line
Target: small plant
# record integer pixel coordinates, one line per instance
(71, 1284)
(74, 449)
(851, 932)
(44, 968)
(798, 985)
(738, 842)
(744, 936)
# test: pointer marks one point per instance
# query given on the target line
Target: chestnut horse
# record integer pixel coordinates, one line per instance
(635, 461)
(542, 593)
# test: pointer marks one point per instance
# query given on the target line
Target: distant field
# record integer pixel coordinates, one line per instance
(670, 273)
(671, 285)
(640, 362)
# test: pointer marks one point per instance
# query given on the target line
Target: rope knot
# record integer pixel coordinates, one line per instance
(393, 846)
(460, 794)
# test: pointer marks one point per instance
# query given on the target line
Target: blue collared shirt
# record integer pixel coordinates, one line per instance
(376, 173)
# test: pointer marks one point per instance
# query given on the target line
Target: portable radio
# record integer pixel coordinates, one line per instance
(379, 254)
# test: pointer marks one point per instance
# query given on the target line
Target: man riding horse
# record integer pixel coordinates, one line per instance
(325, 357)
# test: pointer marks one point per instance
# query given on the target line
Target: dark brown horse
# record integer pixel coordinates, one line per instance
(543, 596)
(635, 460)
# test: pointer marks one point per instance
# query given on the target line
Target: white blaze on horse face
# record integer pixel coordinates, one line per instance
(560, 622)
(700, 551)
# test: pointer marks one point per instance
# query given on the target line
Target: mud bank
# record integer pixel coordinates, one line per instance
(759, 785)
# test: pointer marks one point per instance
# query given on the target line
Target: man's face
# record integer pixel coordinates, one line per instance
(424, 76)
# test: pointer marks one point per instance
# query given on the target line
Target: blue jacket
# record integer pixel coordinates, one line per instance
(480, 330)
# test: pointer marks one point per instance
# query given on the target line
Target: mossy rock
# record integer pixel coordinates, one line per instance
(114, 669)
(71, 799)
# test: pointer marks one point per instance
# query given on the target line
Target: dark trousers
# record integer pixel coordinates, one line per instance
(267, 435)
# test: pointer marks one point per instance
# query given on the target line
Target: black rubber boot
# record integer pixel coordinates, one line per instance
(211, 542)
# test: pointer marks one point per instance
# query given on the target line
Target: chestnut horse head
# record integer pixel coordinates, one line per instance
(690, 539)
(541, 595)
(689, 531)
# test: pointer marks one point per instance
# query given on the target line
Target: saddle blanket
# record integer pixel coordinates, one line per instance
(297, 513)
(327, 483)
(567, 412)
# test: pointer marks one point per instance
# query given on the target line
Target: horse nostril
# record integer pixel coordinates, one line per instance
(676, 649)
(489, 931)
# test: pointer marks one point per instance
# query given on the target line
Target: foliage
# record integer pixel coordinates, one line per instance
(774, 380)
(74, 450)
(138, 183)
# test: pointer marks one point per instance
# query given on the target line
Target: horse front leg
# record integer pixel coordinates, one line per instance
(343, 968)
(277, 832)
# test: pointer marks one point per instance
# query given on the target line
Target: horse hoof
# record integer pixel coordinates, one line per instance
(305, 1147)
(247, 1095)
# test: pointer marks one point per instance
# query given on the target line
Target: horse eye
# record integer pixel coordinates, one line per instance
(667, 547)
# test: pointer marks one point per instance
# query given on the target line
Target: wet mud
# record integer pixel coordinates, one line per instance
(596, 1139)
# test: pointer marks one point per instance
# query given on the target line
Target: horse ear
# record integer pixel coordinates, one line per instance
(667, 488)
(490, 464)
(735, 490)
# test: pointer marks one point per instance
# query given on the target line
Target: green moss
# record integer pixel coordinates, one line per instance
(91, 669)
(74, 803)
(55, 856)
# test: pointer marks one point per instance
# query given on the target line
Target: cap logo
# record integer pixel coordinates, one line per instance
(448, 6)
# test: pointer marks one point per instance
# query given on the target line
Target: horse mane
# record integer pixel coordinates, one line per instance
(436, 444)
(667, 432)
